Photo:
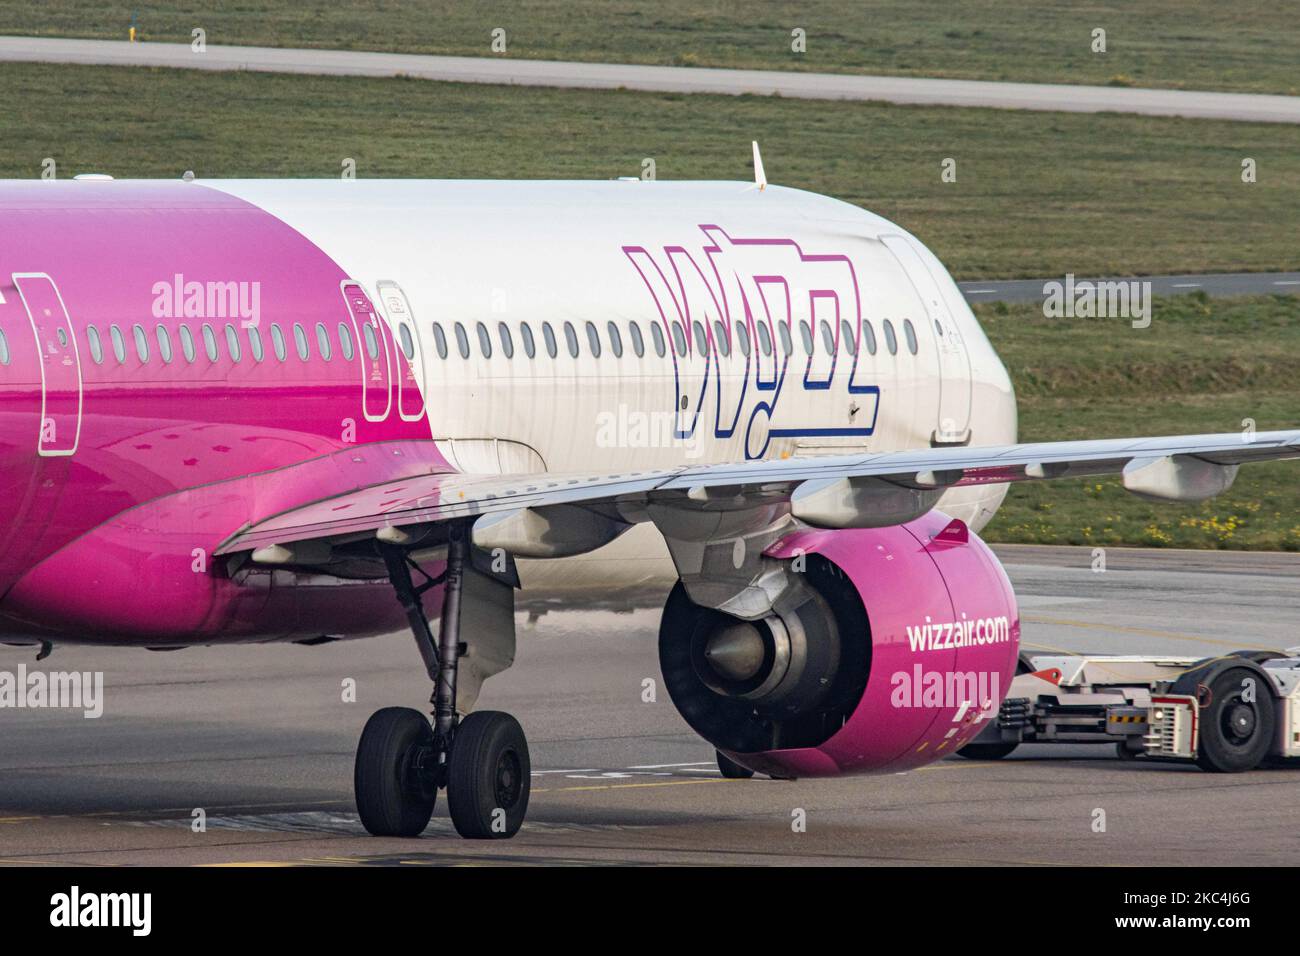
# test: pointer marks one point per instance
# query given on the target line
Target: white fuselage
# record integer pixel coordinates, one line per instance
(557, 327)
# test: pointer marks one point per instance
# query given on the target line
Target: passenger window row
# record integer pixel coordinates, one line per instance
(824, 342)
(143, 344)
(211, 343)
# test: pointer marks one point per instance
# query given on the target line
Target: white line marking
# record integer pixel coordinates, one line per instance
(1185, 285)
(1287, 282)
(980, 291)
(538, 773)
(663, 766)
(616, 775)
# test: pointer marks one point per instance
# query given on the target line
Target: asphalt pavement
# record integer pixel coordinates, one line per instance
(260, 740)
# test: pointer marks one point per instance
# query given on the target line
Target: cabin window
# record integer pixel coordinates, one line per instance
(484, 340)
(141, 342)
(370, 341)
(891, 340)
(869, 336)
(742, 339)
(277, 341)
(439, 341)
(408, 343)
(549, 335)
(119, 343)
(847, 337)
(720, 338)
(909, 333)
(571, 338)
(164, 344)
(232, 342)
(638, 343)
(701, 338)
(530, 344)
(96, 345)
(615, 340)
(658, 335)
(255, 343)
(593, 340)
(679, 339)
(828, 338)
(787, 346)
(187, 342)
(507, 340)
(462, 341)
(304, 349)
(4, 348)
(323, 340)
(805, 336)
(764, 338)
(210, 342)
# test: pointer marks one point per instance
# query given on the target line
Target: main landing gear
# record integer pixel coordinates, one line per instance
(403, 760)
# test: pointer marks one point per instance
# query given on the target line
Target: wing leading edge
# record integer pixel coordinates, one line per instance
(835, 491)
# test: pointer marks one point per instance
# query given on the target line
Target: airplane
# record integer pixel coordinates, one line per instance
(296, 410)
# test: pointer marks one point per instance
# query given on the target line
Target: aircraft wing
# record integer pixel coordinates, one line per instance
(856, 490)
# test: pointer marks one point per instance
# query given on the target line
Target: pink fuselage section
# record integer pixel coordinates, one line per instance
(121, 478)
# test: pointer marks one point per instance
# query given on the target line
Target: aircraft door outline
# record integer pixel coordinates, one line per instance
(60, 361)
(412, 373)
(377, 369)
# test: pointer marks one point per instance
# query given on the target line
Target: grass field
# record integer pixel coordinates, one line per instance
(1204, 365)
(1196, 44)
(1036, 193)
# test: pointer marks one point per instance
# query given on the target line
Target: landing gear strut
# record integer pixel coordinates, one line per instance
(403, 761)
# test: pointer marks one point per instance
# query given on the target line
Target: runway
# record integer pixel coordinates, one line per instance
(1250, 107)
(261, 740)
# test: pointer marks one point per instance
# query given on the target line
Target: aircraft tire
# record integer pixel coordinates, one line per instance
(391, 799)
(488, 776)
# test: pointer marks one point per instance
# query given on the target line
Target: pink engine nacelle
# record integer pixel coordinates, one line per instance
(899, 645)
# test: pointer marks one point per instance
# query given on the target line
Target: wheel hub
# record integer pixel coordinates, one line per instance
(508, 780)
(1240, 721)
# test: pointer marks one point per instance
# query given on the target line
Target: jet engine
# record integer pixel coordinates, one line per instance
(889, 649)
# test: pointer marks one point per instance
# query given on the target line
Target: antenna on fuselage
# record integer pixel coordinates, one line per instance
(760, 177)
